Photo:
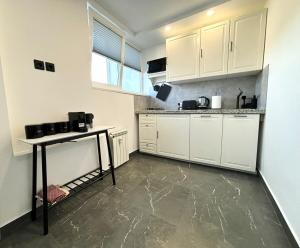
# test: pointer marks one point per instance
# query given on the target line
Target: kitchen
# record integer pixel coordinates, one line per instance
(191, 110)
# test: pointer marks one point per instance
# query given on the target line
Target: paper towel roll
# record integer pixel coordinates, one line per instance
(216, 102)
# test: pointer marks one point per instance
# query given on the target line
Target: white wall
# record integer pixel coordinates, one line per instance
(55, 31)
(281, 140)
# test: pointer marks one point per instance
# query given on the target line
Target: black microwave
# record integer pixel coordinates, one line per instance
(157, 65)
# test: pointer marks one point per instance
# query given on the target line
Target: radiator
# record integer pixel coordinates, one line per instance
(118, 141)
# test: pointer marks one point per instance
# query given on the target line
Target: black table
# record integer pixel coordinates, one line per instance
(57, 139)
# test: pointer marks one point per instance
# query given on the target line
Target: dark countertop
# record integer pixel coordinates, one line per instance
(203, 111)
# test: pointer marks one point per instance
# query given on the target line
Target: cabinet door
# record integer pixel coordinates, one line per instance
(206, 138)
(214, 49)
(147, 133)
(239, 144)
(183, 57)
(173, 136)
(247, 39)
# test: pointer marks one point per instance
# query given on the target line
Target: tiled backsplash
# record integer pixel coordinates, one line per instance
(228, 88)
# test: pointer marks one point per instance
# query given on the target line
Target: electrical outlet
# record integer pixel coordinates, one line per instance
(50, 66)
(38, 64)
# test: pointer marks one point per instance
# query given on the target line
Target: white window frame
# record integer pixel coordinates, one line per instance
(93, 13)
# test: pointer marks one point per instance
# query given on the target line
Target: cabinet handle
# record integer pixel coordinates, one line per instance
(147, 125)
(231, 46)
(240, 116)
(157, 134)
(205, 116)
(201, 53)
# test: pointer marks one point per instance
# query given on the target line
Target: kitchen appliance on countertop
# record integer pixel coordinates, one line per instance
(249, 103)
(189, 105)
(78, 121)
(203, 102)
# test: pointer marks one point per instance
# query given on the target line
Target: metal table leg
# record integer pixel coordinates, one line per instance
(45, 201)
(33, 197)
(110, 158)
(99, 154)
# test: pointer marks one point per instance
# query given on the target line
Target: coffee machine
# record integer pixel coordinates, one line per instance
(77, 122)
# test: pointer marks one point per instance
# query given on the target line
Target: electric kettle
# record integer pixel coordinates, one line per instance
(203, 102)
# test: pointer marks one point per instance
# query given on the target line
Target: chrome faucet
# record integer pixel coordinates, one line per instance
(238, 98)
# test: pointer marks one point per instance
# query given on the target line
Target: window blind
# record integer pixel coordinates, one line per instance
(132, 57)
(106, 42)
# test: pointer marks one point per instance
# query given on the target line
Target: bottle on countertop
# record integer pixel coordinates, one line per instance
(179, 106)
(254, 102)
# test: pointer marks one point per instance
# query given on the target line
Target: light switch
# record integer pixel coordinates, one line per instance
(50, 66)
(38, 64)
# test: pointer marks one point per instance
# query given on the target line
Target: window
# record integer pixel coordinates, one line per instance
(108, 64)
(104, 70)
(132, 76)
(106, 56)
(131, 80)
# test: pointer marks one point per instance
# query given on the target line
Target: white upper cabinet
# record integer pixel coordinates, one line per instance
(183, 57)
(173, 136)
(206, 138)
(247, 41)
(225, 48)
(214, 49)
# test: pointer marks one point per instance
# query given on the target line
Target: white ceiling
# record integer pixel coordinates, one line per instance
(141, 15)
(146, 19)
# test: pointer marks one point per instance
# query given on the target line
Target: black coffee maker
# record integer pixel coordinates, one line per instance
(77, 122)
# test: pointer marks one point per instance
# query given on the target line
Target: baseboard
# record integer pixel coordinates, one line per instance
(283, 220)
(133, 153)
(14, 225)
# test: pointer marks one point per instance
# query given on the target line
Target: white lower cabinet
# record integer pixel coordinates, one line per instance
(206, 138)
(229, 141)
(173, 135)
(147, 133)
(239, 142)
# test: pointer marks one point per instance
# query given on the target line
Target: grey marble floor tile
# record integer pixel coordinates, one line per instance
(161, 203)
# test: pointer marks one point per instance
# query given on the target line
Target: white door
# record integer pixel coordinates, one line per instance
(239, 144)
(206, 138)
(183, 57)
(214, 49)
(173, 136)
(247, 39)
